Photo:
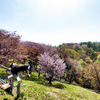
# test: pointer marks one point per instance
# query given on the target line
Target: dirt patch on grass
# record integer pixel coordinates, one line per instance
(56, 90)
(52, 94)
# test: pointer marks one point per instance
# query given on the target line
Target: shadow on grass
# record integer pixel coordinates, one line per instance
(35, 78)
(6, 99)
(42, 81)
(59, 86)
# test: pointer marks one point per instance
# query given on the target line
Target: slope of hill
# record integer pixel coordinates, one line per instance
(35, 88)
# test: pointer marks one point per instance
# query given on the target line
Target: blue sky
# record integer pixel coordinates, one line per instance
(52, 22)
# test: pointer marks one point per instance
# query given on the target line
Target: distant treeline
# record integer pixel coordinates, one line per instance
(94, 45)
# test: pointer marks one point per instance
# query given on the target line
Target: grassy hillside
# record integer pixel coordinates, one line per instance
(35, 88)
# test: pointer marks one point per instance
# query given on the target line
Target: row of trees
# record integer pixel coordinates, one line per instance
(76, 64)
(94, 45)
(13, 50)
(83, 65)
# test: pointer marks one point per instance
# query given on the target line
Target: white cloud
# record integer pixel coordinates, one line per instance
(58, 37)
(59, 6)
(31, 1)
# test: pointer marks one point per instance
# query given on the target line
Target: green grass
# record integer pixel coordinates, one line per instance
(35, 88)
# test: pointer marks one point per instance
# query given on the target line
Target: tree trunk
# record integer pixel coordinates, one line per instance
(39, 74)
(71, 79)
(50, 81)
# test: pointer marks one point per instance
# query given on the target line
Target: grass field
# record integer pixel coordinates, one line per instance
(35, 88)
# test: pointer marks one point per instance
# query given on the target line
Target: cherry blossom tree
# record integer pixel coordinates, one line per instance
(51, 66)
